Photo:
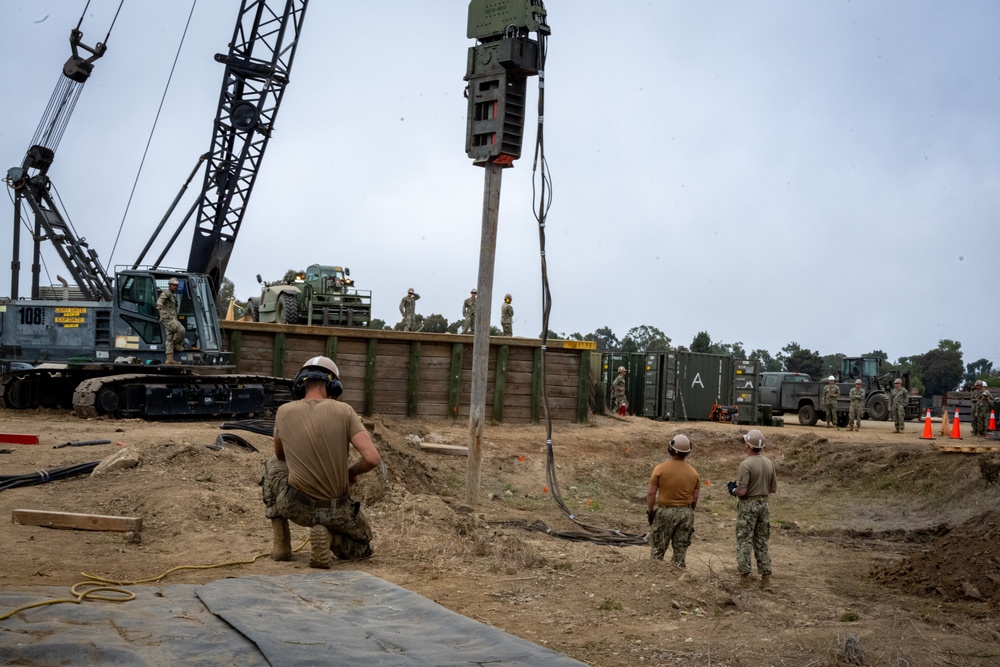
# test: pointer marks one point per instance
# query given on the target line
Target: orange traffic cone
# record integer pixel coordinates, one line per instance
(956, 429)
(928, 429)
(944, 423)
(993, 422)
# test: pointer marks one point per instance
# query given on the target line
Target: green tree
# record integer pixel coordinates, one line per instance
(290, 274)
(645, 338)
(226, 292)
(879, 354)
(702, 342)
(831, 364)
(798, 359)
(765, 362)
(605, 339)
(377, 324)
(941, 368)
(978, 370)
(436, 323)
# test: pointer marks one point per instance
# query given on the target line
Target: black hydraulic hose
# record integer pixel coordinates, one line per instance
(43, 476)
(258, 426)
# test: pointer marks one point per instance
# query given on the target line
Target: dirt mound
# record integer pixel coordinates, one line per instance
(965, 563)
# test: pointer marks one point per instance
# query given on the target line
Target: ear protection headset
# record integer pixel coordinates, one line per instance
(333, 386)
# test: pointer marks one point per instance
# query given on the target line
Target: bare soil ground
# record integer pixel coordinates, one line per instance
(886, 552)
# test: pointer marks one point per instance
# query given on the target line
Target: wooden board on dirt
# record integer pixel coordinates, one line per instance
(438, 448)
(73, 521)
(970, 449)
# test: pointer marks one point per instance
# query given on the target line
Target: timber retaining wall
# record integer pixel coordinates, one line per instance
(408, 374)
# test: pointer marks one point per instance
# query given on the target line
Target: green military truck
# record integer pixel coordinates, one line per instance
(789, 392)
(322, 295)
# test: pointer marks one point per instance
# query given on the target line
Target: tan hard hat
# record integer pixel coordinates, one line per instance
(473, 290)
(621, 369)
(506, 297)
(979, 383)
(858, 381)
(325, 363)
(173, 281)
(897, 381)
(680, 443)
(754, 439)
(410, 291)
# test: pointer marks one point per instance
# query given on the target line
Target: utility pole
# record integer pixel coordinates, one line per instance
(497, 71)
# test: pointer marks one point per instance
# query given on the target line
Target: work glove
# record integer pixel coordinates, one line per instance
(649, 515)
(732, 488)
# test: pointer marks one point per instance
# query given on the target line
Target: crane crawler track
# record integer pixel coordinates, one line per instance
(156, 396)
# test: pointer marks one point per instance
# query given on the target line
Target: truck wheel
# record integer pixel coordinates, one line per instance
(253, 305)
(878, 409)
(807, 415)
(288, 310)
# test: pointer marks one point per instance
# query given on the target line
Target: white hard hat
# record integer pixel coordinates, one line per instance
(681, 443)
(858, 381)
(831, 379)
(754, 439)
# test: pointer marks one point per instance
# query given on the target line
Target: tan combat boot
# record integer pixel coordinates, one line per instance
(745, 581)
(765, 582)
(851, 427)
(170, 360)
(282, 548)
(319, 540)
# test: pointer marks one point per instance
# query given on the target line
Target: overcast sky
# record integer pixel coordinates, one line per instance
(768, 171)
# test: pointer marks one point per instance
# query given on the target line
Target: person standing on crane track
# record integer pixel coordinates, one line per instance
(168, 306)
(308, 479)
(671, 498)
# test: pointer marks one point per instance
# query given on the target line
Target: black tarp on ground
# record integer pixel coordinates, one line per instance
(329, 618)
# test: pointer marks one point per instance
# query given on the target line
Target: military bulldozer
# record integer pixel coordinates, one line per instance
(322, 295)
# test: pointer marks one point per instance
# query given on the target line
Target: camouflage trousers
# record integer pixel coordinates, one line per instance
(175, 334)
(508, 328)
(672, 526)
(351, 533)
(408, 322)
(831, 412)
(753, 529)
(980, 419)
(857, 411)
(469, 325)
(898, 415)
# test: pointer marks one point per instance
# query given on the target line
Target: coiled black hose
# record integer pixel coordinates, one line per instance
(43, 476)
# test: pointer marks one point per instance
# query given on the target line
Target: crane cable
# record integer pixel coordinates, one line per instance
(152, 130)
(542, 196)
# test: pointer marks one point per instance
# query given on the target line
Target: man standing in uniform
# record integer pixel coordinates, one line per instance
(507, 316)
(671, 497)
(307, 480)
(168, 306)
(755, 481)
(857, 396)
(469, 314)
(831, 394)
(408, 309)
(982, 400)
(618, 392)
(897, 404)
